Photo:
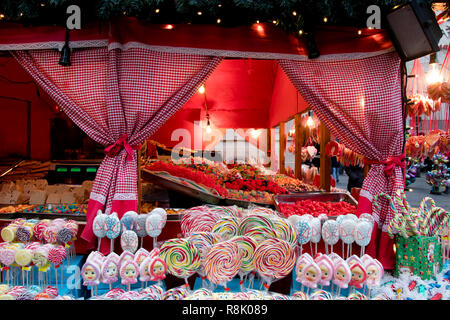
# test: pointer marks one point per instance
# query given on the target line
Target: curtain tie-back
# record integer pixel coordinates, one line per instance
(390, 163)
(121, 143)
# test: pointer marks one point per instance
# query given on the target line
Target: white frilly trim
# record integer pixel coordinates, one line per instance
(125, 196)
(54, 45)
(366, 194)
(244, 54)
(98, 197)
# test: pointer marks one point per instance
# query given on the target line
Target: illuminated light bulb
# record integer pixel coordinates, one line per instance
(433, 76)
(257, 21)
(124, 13)
(21, 14)
(2, 16)
(42, 4)
(219, 5)
(199, 13)
(310, 122)
(201, 89)
(300, 32)
(294, 13)
(255, 133)
(156, 10)
(208, 129)
(359, 32)
(274, 21)
(325, 19)
(219, 20)
(168, 27)
(260, 28)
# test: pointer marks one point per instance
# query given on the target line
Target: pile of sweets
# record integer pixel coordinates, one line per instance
(73, 209)
(31, 293)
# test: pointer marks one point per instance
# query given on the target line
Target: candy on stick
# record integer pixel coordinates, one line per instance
(198, 219)
(304, 233)
(141, 255)
(127, 221)
(57, 255)
(203, 241)
(254, 220)
(375, 272)
(109, 271)
(227, 227)
(346, 231)
(285, 230)
(330, 234)
(153, 268)
(353, 259)
(140, 227)
(23, 259)
(125, 256)
(90, 272)
(274, 259)
(223, 262)
(129, 272)
(155, 222)
(181, 257)
(129, 241)
(112, 227)
(316, 232)
(368, 217)
(300, 264)
(397, 224)
(365, 259)
(98, 227)
(247, 247)
(342, 275)
(326, 268)
(362, 234)
(310, 275)
(261, 233)
(359, 275)
(38, 229)
(24, 233)
(413, 222)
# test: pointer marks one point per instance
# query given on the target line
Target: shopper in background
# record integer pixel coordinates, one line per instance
(355, 177)
(335, 168)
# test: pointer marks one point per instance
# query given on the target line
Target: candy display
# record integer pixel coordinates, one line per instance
(316, 208)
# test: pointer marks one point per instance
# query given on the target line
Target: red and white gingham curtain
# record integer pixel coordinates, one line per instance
(113, 93)
(360, 101)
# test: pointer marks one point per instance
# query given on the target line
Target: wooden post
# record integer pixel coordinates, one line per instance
(282, 146)
(268, 148)
(298, 146)
(366, 169)
(325, 161)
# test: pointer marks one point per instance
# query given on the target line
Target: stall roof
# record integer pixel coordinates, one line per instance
(260, 40)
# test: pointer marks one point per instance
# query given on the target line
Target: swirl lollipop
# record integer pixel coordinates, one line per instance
(57, 255)
(247, 247)
(222, 262)
(330, 234)
(346, 231)
(203, 242)
(181, 257)
(227, 227)
(98, 227)
(23, 259)
(285, 230)
(274, 259)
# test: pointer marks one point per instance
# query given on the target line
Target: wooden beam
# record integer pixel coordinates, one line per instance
(325, 161)
(268, 148)
(366, 169)
(298, 146)
(282, 146)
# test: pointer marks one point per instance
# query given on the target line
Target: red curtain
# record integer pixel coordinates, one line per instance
(360, 101)
(119, 98)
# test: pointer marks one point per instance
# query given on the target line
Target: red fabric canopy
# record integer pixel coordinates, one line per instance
(263, 41)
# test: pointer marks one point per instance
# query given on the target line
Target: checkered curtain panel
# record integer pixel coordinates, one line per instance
(119, 98)
(360, 101)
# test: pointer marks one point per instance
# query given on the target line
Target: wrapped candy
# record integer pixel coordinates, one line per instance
(302, 261)
(90, 272)
(346, 230)
(304, 232)
(353, 259)
(129, 241)
(140, 256)
(326, 267)
(98, 227)
(155, 222)
(363, 232)
(127, 221)
(125, 256)
(139, 227)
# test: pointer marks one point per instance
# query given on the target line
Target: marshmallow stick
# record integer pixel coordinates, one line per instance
(112, 245)
(110, 286)
(326, 248)
(56, 276)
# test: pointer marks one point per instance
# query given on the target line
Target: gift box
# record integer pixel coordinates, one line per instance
(418, 255)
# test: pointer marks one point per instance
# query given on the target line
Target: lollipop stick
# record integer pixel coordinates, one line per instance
(154, 242)
(142, 241)
(128, 287)
(310, 246)
(112, 245)
(315, 248)
(110, 286)
(331, 248)
(56, 276)
(98, 243)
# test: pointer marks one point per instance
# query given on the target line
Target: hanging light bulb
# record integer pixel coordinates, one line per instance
(201, 90)
(433, 76)
(64, 59)
(310, 121)
(208, 125)
(255, 133)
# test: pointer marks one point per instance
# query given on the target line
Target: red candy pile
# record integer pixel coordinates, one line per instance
(255, 184)
(315, 208)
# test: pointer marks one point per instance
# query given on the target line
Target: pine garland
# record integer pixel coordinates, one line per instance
(290, 15)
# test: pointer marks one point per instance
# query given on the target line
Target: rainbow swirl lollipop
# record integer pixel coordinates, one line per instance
(181, 256)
